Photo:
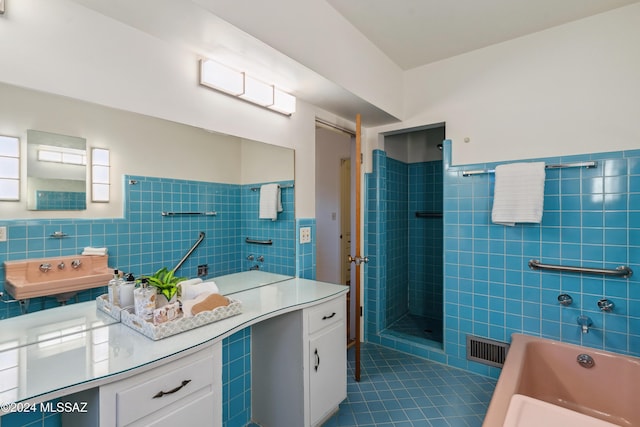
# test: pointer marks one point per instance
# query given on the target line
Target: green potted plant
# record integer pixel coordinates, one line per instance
(165, 282)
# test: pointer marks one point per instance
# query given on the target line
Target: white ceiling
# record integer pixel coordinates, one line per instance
(409, 32)
(417, 32)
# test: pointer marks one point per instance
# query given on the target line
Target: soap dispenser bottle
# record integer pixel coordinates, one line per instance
(125, 291)
(113, 288)
(144, 300)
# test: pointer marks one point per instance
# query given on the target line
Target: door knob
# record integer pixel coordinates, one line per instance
(358, 260)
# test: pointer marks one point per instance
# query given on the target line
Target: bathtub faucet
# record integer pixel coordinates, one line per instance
(585, 323)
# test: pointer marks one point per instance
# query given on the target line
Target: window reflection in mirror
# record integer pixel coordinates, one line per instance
(56, 171)
(9, 168)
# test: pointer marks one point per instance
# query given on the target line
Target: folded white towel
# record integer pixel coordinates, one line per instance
(270, 201)
(191, 289)
(518, 193)
(94, 251)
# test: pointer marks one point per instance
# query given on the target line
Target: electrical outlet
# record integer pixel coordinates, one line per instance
(305, 234)
(3, 234)
(203, 270)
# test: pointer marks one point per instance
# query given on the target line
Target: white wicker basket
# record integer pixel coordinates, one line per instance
(163, 330)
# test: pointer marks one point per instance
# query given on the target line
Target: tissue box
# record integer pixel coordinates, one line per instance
(182, 324)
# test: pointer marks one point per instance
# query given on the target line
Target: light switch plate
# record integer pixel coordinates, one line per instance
(305, 234)
(3, 234)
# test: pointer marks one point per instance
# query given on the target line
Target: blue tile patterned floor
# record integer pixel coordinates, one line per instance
(400, 390)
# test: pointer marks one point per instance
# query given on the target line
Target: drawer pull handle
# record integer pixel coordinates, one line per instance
(329, 317)
(317, 359)
(163, 393)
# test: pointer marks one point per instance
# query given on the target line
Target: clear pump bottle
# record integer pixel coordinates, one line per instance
(113, 288)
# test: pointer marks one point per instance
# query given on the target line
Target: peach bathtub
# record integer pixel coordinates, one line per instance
(542, 383)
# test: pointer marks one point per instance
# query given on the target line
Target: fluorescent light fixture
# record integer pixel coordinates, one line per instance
(100, 180)
(9, 168)
(283, 102)
(257, 92)
(220, 77)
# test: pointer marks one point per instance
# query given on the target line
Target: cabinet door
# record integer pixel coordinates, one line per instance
(328, 372)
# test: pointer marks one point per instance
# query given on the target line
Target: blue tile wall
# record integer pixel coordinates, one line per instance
(425, 240)
(144, 241)
(397, 240)
(388, 177)
(61, 200)
(306, 252)
(236, 379)
(591, 218)
(277, 257)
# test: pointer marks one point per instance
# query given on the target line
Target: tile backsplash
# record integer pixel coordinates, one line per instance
(591, 218)
(144, 240)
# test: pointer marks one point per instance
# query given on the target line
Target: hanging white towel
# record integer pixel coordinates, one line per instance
(94, 251)
(270, 201)
(518, 193)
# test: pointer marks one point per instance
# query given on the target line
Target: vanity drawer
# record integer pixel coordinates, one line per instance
(326, 314)
(152, 393)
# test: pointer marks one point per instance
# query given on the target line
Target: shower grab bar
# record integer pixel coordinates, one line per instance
(188, 254)
(259, 242)
(189, 213)
(558, 166)
(620, 271)
(428, 214)
(282, 186)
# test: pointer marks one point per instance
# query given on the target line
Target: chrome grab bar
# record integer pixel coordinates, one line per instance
(620, 271)
(193, 248)
(259, 242)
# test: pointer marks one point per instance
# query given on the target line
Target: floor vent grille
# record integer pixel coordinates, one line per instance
(486, 351)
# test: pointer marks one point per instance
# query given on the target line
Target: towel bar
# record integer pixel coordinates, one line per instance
(282, 186)
(189, 213)
(621, 271)
(259, 242)
(428, 214)
(558, 166)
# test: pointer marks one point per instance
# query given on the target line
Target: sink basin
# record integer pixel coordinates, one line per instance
(32, 278)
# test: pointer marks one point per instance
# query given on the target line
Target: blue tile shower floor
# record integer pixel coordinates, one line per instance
(414, 326)
(400, 390)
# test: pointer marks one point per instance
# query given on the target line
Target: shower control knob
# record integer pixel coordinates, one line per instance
(565, 299)
(605, 305)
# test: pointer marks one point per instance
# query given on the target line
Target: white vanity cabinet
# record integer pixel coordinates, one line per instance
(186, 391)
(299, 366)
(328, 359)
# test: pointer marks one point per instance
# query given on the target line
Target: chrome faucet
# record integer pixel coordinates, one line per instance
(585, 323)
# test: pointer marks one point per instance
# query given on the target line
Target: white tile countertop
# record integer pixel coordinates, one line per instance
(90, 349)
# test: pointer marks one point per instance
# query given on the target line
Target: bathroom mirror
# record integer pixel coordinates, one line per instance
(56, 171)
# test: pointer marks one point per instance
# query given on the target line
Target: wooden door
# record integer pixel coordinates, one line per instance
(358, 259)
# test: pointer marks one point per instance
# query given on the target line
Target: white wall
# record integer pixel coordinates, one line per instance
(568, 90)
(61, 47)
(265, 163)
(330, 148)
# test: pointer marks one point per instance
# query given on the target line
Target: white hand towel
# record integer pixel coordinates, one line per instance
(94, 251)
(191, 289)
(270, 201)
(518, 193)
